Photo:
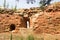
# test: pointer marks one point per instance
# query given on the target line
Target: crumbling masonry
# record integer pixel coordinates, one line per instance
(41, 22)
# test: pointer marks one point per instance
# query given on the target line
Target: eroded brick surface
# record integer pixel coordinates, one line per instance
(6, 20)
(47, 22)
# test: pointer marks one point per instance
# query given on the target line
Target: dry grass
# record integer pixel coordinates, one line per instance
(26, 35)
(7, 36)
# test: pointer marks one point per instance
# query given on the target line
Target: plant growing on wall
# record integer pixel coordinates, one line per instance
(4, 5)
(16, 2)
(44, 3)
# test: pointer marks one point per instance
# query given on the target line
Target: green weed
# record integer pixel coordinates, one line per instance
(30, 37)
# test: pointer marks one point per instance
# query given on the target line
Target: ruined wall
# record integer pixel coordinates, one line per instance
(6, 20)
(46, 22)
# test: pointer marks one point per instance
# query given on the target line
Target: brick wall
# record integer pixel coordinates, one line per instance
(6, 20)
(46, 22)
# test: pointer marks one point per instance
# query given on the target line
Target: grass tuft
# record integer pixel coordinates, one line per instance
(30, 37)
(11, 37)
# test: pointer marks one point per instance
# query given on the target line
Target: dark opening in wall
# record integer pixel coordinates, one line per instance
(27, 22)
(12, 27)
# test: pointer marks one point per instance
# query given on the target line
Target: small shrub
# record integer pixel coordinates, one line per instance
(41, 38)
(30, 37)
(21, 38)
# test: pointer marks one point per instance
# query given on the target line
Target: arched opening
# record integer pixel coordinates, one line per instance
(12, 27)
(27, 22)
